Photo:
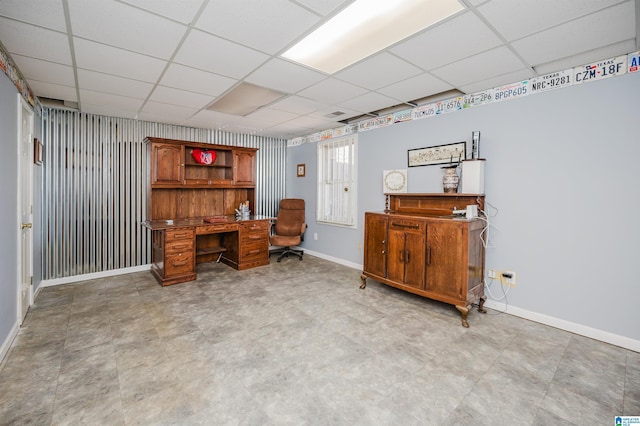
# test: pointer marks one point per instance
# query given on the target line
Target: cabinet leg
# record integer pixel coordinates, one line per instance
(464, 311)
(481, 305)
(363, 278)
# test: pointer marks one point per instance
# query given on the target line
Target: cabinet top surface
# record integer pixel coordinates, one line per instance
(449, 217)
(200, 221)
(150, 139)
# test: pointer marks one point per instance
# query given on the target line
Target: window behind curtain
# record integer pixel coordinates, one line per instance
(337, 181)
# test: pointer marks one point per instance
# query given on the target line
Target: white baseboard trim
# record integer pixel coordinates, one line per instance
(333, 259)
(572, 327)
(4, 349)
(93, 276)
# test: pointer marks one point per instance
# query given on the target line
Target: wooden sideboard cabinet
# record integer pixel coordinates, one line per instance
(417, 245)
(184, 196)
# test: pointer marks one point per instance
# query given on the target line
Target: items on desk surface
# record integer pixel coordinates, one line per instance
(243, 210)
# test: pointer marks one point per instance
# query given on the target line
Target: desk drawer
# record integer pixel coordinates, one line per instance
(179, 246)
(408, 225)
(178, 264)
(254, 251)
(179, 234)
(254, 232)
(213, 229)
(255, 226)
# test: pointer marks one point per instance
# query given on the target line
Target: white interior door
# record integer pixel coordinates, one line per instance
(25, 198)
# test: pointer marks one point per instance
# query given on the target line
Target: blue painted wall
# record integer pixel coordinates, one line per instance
(562, 173)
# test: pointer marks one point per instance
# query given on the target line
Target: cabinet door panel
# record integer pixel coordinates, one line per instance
(414, 259)
(375, 244)
(396, 256)
(445, 270)
(167, 164)
(244, 167)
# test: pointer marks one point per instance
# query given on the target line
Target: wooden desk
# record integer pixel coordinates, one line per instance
(178, 245)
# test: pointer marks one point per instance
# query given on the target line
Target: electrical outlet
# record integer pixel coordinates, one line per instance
(509, 278)
(315, 236)
(491, 273)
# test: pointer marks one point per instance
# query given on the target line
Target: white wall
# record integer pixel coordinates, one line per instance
(562, 172)
(8, 210)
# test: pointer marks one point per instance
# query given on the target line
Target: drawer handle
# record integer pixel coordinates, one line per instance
(180, 236)
(428, 255)
(406, 225)
(174, 263)
(253, 252)
(255, 237)
(181, 246)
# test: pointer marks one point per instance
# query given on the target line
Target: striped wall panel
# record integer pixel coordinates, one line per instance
(94, 177)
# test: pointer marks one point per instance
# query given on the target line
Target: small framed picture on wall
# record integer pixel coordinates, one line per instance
(301, 170)
(37, 152)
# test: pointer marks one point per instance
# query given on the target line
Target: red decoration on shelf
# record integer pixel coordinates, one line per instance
(203, 156)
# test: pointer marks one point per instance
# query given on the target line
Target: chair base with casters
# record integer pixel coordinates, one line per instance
(286, 251)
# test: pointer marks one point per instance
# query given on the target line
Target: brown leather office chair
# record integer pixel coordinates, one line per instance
(289, 228)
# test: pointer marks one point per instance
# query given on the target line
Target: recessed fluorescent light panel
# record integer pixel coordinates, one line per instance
(245, 99)
(366, 27)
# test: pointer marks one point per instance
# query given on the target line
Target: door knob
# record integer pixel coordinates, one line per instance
(26, 225)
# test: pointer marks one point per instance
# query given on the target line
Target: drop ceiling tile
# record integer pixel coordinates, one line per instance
(133, 29)
(455, 39)
(210, 119)
(193, 80)
(369, 102)
(594, 55)
(313, 122)
(330, 113)
(178, 97)
(107, 83)
(271, 116)
(284, 131)
(54, 91)
(512, 77)
(324, 7)
(297, 104)
(44, 13)
(111, 60)
(28, 40)
(511, 20)
(479, 67)
(166, 110)
(331, 91)
(36, 69)
(109, 110)
(579, 36)
(211, 53)
(95, 98)
(378, 71)
(268, 26)
(179, 10)
(284, 76)
(417, 87)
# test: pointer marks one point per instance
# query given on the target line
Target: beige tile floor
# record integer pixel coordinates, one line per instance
(298, 343)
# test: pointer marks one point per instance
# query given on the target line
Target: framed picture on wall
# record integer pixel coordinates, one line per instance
(37, 152)
(301, 170)
(440, 154)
